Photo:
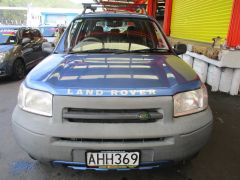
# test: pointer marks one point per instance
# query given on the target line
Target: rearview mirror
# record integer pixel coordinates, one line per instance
(180, 49)
(47, 47)
(26, 41)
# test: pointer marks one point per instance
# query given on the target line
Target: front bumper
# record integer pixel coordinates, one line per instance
(3, 72)
(4, 69)
(143, 166)
(180, 142)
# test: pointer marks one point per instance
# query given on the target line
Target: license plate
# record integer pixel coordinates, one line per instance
(113, 159)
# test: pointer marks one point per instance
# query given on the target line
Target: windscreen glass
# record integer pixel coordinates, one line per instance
(7, 36)
(114, 34)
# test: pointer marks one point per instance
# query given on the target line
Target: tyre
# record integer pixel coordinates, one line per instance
(19, 70)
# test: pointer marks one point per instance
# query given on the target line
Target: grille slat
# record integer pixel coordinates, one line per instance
(136, 140)
(111, 116)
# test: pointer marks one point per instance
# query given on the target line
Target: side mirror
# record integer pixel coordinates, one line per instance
(26, 41)
(180, 49)
(47, 47)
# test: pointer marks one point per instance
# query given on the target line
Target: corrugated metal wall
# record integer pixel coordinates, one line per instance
(200, 20)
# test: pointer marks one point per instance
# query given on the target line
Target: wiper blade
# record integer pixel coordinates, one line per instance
(148, 50)
(103, 50)
(151, 50)
(78, 52)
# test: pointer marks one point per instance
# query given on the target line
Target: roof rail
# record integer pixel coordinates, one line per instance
(114, 7)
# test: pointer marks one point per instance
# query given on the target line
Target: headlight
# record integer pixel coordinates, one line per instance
(2, 56)
(190, 102)
(34, 101)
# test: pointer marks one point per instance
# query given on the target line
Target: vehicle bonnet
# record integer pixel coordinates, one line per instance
(113, 75)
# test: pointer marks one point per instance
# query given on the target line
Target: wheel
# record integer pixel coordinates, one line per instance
(19, 70)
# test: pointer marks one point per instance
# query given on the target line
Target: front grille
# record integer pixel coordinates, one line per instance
(136, 140)
(111, 116)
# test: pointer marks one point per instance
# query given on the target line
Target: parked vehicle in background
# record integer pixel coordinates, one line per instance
(49, 32)
(20, 50)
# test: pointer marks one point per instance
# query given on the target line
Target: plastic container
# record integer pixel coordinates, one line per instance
(235, 86)
(188, 59)
(226, 80)
(201, 69)
(213, 77)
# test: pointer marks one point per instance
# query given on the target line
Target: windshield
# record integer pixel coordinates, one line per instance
(48, 31)
(113, 35)
(7, 36)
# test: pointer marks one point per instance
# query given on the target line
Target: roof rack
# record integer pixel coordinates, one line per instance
(89, 6)
(109, 6)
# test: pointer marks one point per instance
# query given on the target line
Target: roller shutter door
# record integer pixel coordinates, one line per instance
(200, 20)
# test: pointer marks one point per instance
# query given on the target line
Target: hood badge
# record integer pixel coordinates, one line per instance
(94, 92)
(144, 116)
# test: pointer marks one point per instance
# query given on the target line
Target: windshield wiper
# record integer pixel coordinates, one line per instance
(151, 50)
(103, 50)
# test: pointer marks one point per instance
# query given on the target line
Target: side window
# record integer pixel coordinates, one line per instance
(27, 34)
(73, 33)
(36, 35)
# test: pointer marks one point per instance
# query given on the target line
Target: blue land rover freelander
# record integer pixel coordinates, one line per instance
(113, 95)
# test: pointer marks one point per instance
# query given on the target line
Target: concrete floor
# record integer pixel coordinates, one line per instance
(219, 160)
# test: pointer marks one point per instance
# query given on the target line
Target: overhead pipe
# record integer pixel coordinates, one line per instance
(152, 8)
(167, 17)
(233, 38)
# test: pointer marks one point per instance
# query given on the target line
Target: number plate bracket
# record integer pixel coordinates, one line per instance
(113, 159)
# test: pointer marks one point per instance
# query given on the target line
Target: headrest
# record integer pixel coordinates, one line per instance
(131, 28)
(115, 30)
(98, 29)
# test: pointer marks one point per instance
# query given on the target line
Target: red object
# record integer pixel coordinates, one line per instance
(233, 38)
(152, 8)
(111, 5)
(151, 5)
(140, 1)
(167, 17)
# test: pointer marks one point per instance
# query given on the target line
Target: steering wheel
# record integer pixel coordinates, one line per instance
(92, 39)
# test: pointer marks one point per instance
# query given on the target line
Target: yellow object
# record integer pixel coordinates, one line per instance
(200, 20)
